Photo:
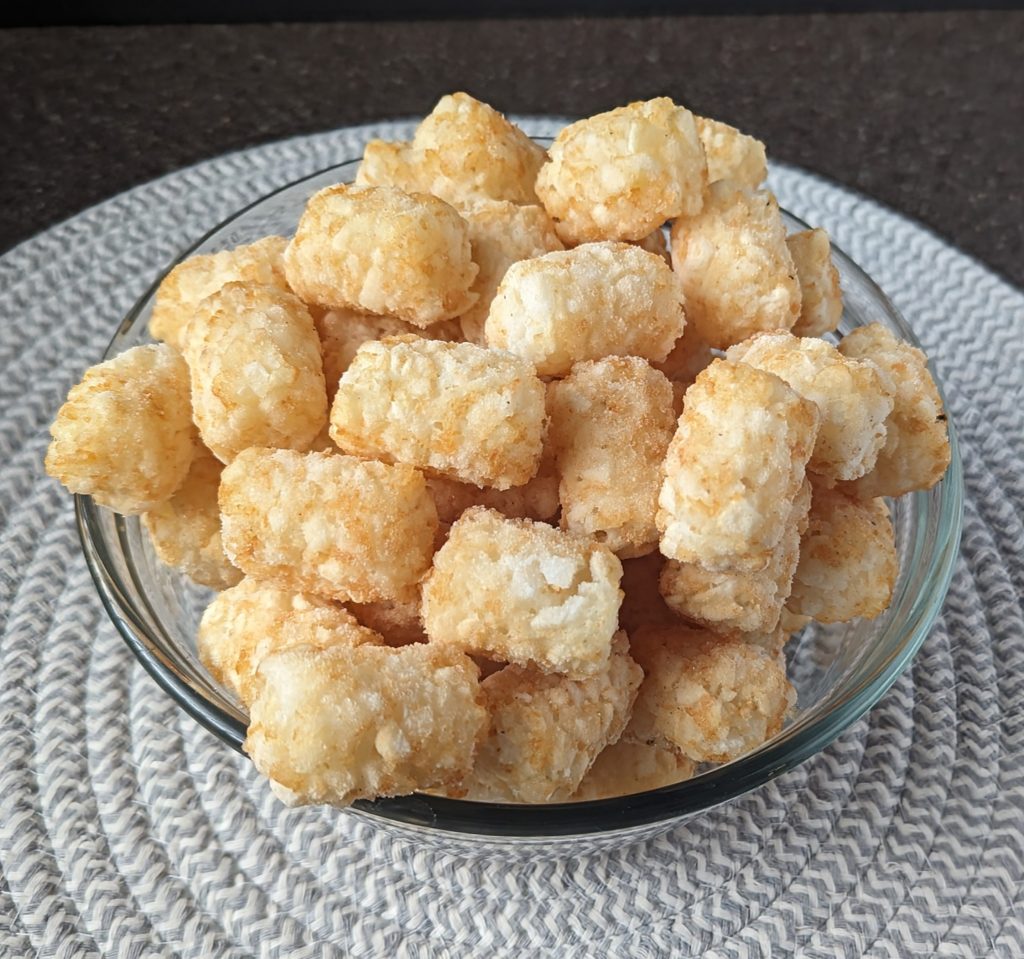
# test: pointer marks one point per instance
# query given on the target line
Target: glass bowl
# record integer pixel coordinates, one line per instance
(839, 671)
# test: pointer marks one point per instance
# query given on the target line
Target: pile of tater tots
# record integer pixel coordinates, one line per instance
(514, 469)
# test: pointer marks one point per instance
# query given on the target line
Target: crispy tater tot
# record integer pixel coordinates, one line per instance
(201, 276)
(522, 592)
(253, 619)
(688, 358)
(256, 371)
(546, 730)
(342, 332)
(399, 623)
(185, 530)
(821, 299)
(712, 698)
(124, 436)
(452, 408)
(380, 250)
(344, 723)
(732, 155)
(848, 563)
(853, 398)
(737, 273)
(744, 601)
(390, 164)
(916, 451)
(465, 150)
(620, 175)
(501, 234)
(626, 768)
(734, 468)
(597, 300)
(611, 423)
(327, 523)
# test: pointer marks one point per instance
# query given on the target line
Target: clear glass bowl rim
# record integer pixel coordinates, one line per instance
(810, 733)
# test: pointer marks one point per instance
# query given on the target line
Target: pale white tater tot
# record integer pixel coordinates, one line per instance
(732, 155)
(821, 298)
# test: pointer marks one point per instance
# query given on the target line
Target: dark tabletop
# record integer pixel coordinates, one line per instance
(923, 111)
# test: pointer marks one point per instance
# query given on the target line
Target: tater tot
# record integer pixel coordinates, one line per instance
(198, 277)
(398, 623)
(124, 436)
(256, 372)
(690, 355)
(344, 723)
(626, 768)
(709, 697)
(546, 730)
(916, 451)
(465, 150)
(737, 273)
(734, 468)
(452, 408)
(501, 234)
(620, 175)
(328, 524)
(732, 155)
(744, 601)
(848, 563)
(611, 423)
(852, 397)
(389, 164)
(253, 619)
(597, 300)
(342, 332)
(185, 530)
(537, 499)
(523, 592)
(381, 250)
(821, 299)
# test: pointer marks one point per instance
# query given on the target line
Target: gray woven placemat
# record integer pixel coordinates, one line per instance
(125, 830)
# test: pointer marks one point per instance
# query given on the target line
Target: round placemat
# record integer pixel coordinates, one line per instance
(126, 830)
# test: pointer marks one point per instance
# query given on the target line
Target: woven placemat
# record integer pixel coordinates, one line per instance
(126, 830)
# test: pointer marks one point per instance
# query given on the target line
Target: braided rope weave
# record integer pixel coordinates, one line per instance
(127, 831)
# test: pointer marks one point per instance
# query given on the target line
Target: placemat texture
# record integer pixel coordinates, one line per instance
(125, 830)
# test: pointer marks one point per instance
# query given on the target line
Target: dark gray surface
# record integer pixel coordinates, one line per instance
(923, 111)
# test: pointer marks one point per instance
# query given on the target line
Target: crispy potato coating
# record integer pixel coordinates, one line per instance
(522, 592)
(737, 600)
(736, 270)
(611, 423)
(620, 175)
(688, 358)
(734, 468)
(468, 151)
(342, 332)
(546, 730)
(398, 623)
(597, 300)
(344, 723)
(454, 409)
(848, 563)
(198, 277)
(656, 242)
(185, 530)
(328, 524)
(916, 451)
(390, 164)
(124, 436)
(256, 372)
(732, 155)
(626, 768)
(501, 234)
(253, 619)
(712, 698)
(853, 399)
(381, 250)
(821, 299)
